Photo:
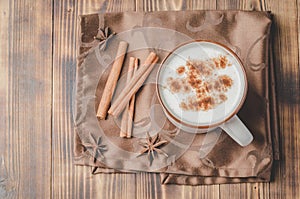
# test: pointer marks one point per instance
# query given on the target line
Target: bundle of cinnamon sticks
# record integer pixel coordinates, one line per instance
(125, 101)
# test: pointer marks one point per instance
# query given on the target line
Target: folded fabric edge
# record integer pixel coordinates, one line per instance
(268, 12)
(273, 101)
(82, 158)
(166, 178)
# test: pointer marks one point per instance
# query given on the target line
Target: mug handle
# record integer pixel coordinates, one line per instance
(236, 129)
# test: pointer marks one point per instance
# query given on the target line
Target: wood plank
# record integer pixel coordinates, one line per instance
(201, 5)
(160, 5)
(232, 190)
(25, 65)
(229, 4)
(146, 182)
(69, 181)
(286, 43)
(247, 190)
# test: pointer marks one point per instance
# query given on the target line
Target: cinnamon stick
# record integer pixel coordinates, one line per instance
(112, 80)
(133, 86)
(125, 116)
(131, 106)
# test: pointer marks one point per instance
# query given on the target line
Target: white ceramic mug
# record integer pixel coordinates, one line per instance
(221, 114)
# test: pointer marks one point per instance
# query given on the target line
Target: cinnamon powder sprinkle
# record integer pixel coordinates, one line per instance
(225, 80)
(221, 61)
(180, 70)
(208, 87)
(178, 85)
(174, 85)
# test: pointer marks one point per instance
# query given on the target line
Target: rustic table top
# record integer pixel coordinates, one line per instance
(37, 74)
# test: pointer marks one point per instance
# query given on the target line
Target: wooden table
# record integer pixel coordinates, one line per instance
(37, 74)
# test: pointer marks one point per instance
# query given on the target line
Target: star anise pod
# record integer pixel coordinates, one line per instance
(151, 146)
(103, 36)
(96, 147)
(100, 40)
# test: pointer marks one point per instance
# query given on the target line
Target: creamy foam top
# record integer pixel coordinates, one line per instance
(179, 103)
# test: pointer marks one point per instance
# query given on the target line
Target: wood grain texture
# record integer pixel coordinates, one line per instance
(69, 181)
(247, 190)
(37, 74)
(286, 59)
(183, 191)
(26, 70)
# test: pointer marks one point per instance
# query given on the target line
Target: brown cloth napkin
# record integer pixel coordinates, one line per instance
(97, 142)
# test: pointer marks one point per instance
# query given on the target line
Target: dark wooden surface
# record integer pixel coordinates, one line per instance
(37, 74)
